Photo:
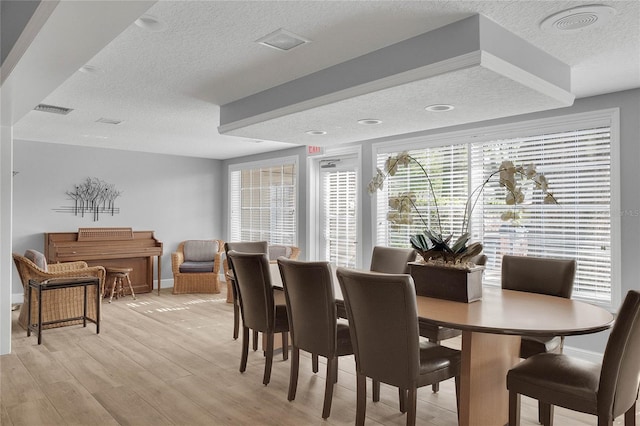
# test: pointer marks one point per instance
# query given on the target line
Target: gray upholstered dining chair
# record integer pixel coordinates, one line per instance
(436, 333)
(549, 276)
(259, 312)
(243, 247)
(387, 347)
(606, 390)
(313, 321)
(389, 260)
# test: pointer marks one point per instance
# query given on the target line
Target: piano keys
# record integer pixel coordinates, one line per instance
(109, 247)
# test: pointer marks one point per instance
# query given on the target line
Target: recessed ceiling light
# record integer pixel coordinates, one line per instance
(439, 108)
(109, 120)
(577, 19)
(94, 136)
(369, 121)
(90, 69)
(282, 39)
(151, 23)
(316, 132)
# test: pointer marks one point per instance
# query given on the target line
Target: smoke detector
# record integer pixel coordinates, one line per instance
(577, 18)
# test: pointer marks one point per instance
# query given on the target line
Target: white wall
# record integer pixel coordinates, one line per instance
(177, 197)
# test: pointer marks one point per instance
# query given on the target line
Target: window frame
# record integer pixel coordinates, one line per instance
(603, 117)
(267, 163)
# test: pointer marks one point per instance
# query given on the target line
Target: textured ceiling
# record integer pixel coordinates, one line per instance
(168, 86)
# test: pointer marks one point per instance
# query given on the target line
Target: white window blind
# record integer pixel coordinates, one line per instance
(448, 171)
(340, 225)
(263, 204)
(577, 164)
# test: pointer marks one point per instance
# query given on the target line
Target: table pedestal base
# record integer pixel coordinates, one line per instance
(486, 359)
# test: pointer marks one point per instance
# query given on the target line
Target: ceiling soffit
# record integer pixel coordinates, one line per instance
(473, 64)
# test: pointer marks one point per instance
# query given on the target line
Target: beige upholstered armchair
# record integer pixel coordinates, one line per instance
(196, 266)
(60, 303)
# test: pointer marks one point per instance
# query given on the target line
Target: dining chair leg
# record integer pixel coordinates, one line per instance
(630, 416)
(376, 390)
(236, 320)
(236, 310)
(245, 349)
(608, 421)
(293, 377)
(335, 373)
(285, 345)
(402, 399)
(514, 409)
(314, 363)
(328, 387)
(457, 382)
(255, 340)
(547, 414)
(269, 361)
(361, 395)
(436, 386)
(411, 406)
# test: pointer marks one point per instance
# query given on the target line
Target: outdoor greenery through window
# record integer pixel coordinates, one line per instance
(577, 164)
(263, 204)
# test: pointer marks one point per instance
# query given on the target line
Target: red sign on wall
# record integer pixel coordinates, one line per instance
(313, 150)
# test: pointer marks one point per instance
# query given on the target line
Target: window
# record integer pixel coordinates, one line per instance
(263, 202)
(576, 160)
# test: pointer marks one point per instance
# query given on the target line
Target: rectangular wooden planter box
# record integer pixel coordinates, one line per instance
(441, 282)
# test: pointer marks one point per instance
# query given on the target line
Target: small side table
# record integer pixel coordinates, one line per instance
(58, 283)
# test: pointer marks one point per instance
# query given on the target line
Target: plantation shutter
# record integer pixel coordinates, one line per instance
(339, 215)
(263, 204)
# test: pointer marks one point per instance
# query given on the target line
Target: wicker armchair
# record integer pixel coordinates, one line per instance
(188, 276)
(61, 303)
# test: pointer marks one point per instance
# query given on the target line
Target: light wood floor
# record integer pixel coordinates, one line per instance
(171, 359)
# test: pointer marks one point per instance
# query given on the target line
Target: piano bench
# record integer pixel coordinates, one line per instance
(117, 276)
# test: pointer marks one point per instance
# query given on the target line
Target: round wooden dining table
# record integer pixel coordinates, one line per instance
(491, 330)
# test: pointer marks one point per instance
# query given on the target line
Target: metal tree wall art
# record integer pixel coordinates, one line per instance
(94, 196)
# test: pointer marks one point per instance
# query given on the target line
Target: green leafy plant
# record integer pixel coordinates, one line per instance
(433, 244)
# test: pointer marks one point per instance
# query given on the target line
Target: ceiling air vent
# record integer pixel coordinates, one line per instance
(282, 40)
(53, 109)
(108, 121)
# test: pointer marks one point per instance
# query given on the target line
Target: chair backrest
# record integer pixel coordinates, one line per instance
(620, 374)
(479, 260)
(539, 275)
(200, 250)
(23, 265)
(383, 320)
(311, 305)
(391, 260)
(244, 247)
(276, 251)
(253, 280)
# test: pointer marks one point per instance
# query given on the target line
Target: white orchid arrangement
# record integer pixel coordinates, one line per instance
(432, 244)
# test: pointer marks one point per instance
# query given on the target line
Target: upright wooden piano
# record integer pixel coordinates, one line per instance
(109, 247)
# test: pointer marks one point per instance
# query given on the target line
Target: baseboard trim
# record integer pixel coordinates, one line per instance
(18, 298)
(583, 354)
